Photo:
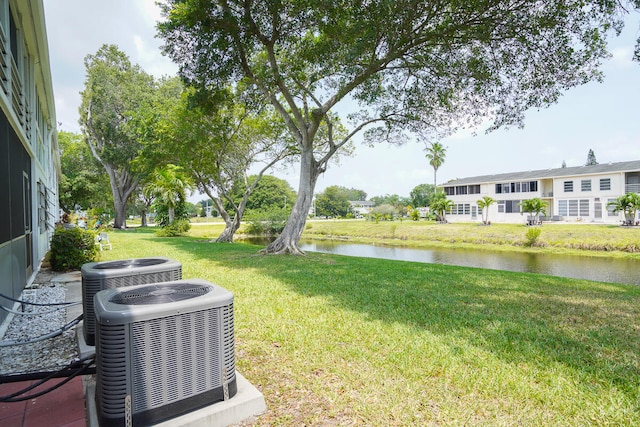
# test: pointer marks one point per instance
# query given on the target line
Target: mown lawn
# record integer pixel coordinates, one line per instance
(333, 340)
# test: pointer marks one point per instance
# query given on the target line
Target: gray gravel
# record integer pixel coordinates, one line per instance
(47, 355)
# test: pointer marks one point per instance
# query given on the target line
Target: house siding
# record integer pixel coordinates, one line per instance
(29, 158)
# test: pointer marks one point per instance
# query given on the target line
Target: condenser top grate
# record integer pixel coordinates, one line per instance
(154, 294)
(129, 263)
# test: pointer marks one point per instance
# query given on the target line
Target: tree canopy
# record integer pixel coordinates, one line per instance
(83, 182)
(333, 202)
(409, 65)
(421, 195)
(114, 100)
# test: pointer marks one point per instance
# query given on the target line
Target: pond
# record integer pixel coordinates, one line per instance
(614, 270)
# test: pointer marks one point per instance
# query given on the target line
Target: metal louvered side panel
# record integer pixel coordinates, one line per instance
(175, 357)
(90, 286)
(228, 343)
(111, 371)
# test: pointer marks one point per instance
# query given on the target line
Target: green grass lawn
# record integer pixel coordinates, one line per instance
(333, 340)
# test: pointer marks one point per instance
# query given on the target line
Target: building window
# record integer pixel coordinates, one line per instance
(568, 186)
(500, 206)
(585, 185)
(449, 191)
(474, 189)
(573, 208)
(610, 208)
(512, 206)
(562, 207)
(584, 208)
(533, 186)
(605, 184)
(461, 189)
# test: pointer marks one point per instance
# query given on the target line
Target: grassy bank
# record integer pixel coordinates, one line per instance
(605, 240)
(335, 340)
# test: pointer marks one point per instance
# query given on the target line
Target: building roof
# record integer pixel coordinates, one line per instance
(631, 166)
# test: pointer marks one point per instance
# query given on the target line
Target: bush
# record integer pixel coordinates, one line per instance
(266, 222)
(72, 247)
(532, 236)
(177, 228)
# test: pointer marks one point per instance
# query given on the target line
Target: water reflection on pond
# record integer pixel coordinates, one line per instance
(601, 269)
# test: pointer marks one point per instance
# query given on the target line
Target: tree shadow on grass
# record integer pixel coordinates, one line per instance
(587, 326)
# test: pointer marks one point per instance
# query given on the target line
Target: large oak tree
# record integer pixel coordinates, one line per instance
(410, 66)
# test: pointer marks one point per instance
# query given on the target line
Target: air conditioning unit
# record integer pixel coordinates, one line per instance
(162, 350)
(97, 276)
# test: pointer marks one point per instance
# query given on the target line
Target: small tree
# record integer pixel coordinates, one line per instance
(170, 186)
(629, 204)
(534, 207)
(484, 204)
(440, 205)
(591, 159)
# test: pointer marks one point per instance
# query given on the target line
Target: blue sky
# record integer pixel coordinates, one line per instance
(604, 117)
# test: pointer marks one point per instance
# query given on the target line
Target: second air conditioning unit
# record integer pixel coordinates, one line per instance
(162, 350)
(97, 276)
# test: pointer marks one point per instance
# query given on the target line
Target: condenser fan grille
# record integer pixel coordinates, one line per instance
(160, 294)
(129, 263)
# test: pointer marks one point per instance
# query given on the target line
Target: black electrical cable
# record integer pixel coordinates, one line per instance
(34, 303)
(78, 371)
(39, 375)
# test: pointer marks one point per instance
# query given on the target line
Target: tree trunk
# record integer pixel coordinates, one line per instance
(121, 187)
(143, 219)
(231, 226)
(287, 241)
(171, 214)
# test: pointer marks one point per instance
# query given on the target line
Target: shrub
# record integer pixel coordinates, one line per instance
(532, 236)
(72, 247)
(177, 228)
(266, 222)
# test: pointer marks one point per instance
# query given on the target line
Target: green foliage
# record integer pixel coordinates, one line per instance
(270, 192)
(384, 212)
(333, 202)
(162, 213)
(116, 115)
(178, 227)
(534, 207)
(72, 247)
(421, 195)
(440, 205)
(629, 204)
(306, 59)
(484, 205)
(83, 180)
(266, 222)
(415, 214)
(591, 158)
(532, 235)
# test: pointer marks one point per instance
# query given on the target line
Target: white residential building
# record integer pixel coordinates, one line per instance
(29, 157)
(572, 194)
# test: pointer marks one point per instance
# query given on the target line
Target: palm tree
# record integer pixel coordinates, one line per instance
(170, 186)
(629, 204)
(439, 206)
(483, 204)
(436, 153)
(534, 207)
